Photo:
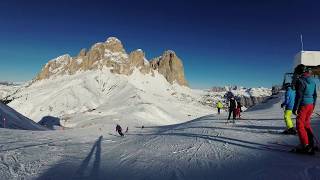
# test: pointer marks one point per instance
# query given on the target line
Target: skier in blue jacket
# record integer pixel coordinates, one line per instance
(288, 105)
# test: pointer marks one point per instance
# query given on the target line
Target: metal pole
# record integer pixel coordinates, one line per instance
(301, 39)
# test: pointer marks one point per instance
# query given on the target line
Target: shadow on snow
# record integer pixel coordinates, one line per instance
(68, 170)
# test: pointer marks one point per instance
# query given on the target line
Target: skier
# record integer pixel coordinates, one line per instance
(238, 110)
(304, 105)
(288, 105)
(232, 108)
(219, 106)
(119, 130)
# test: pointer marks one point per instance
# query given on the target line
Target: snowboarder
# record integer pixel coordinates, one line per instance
(238, 110)
(288, 105)
(219, 106)
(304, 105)
(232, 108)
(119, 130)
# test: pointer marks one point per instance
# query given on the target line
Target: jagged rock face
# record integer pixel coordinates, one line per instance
(114, 45)
(55, 67)
(137, 59)
(112, 54)
(171, 67)
(82, 53)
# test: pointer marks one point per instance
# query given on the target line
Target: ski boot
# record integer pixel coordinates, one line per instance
(307, 149)
(292, 131)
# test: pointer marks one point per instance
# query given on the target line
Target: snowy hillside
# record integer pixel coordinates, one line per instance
(11, 119)
(100, 97)
(247, 96)
(204, 148)
(6, 90)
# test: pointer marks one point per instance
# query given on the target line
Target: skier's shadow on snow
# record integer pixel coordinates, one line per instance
(94, 174)
(66, 169)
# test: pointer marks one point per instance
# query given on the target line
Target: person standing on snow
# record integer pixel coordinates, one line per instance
(119, 130)
(238, 110)
(306, 96)
(232, 108)
(219, 106)
(288, 104)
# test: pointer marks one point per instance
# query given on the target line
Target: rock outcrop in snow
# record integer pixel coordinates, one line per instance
(170, 66)
(112, 54)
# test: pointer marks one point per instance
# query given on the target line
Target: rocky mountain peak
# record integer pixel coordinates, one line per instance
(114, 45)
(170, 65)
(112, 54)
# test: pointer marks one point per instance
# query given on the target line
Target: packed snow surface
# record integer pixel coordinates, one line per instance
(202, 148)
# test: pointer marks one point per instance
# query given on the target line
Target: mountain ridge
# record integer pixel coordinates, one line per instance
(112, 54)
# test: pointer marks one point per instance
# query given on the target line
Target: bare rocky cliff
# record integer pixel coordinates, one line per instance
(112, 54)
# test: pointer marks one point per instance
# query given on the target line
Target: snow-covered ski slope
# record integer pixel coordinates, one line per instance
(203, 148)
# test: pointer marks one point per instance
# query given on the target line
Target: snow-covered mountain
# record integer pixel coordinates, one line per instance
(106, 85)
(247, 96)
(7, 89)
(100, 94)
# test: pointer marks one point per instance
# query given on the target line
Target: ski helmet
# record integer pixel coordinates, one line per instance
(300, 69)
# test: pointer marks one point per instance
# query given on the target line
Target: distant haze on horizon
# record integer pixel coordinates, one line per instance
(240, 42)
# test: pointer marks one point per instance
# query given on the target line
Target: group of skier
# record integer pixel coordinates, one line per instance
(234, 107)
(300, 99)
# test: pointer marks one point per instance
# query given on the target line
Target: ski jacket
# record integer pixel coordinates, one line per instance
(306, 91)
(232, 104)
(219, 105)
(289, 98)
(118, 128)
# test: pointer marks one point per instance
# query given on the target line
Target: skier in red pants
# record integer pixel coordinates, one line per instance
(305, 101)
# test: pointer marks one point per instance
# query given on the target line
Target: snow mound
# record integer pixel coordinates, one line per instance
(13, 120)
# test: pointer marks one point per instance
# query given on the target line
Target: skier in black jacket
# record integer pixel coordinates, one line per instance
(232, 108)
(119, 130)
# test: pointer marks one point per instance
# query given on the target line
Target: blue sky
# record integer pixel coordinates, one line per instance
(240, 42)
